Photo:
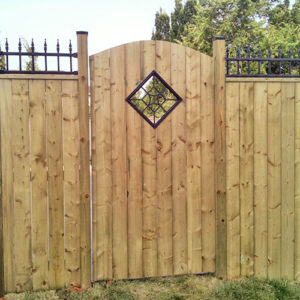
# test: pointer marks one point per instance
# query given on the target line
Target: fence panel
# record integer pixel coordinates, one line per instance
(154, 174)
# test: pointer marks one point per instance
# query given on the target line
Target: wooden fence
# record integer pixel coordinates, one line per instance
(215, 188)
(263, 177)
(46, 239)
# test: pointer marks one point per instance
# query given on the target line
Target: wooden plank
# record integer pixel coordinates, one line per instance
(150, 229)
(119, 168)
(55, 183)
(260, 180)
(179, 163)
(274, 179)
(207, 162)
(233, 179)
(2, 286)
(246, 178)
(7, 184)
(103, 168)
(93, 163)
(85, 218)
(38, 163)
(164, 171)
(287, 180)
(193, 155)
(262, 79)
(22, 206)
(220, 148)
(71, 159)
(297, 180)
(134, 163)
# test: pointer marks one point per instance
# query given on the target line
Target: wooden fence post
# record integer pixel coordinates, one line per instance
(85, 227)
(220, 154)
(2, 291)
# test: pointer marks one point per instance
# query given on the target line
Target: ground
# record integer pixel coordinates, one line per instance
(177, 288)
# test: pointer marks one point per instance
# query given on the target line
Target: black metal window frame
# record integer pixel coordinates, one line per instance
(166, 85)
(238, 60)
(32, 54)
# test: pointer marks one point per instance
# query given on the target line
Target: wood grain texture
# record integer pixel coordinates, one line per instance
(38, 163)
(287, 180)
(149, 156)
(233, 179)
(22, 205)
(220, 153)
(193, 156)
(164, 171)
(85, 201)
(260, 179)
(7, 184)
(2, 278)
(297, 180)
(71, 160)
(246, 178)
(179, 164)
(208, 210)
(119, 162)
(103, 167)
(274, 180)
(134, 163)
(55, 183)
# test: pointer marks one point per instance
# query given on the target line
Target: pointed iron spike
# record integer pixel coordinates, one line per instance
(57, 45)
(290, 52)
(32, 45)
(45, 45)
(20, 45)
(6, 45)
(70, 46)
(259, 51)
(238, 51)
(270, 52)
(279, 51)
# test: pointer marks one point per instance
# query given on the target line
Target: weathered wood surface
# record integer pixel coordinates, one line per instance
(156, 188)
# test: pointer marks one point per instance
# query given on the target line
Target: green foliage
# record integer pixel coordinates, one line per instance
(2, 62)
(264, 23)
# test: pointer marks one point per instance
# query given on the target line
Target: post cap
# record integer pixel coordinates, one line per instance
(81, 32)
(219, 38)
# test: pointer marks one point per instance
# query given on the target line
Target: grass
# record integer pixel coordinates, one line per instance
(177, 288)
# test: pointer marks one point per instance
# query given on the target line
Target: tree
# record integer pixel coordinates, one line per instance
(162, 26)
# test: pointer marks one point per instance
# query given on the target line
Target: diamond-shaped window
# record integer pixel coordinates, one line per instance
(154, 99)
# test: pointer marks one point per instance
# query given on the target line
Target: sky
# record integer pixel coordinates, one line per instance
(108, 22)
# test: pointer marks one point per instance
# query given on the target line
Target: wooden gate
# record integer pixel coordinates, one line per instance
(153, 189)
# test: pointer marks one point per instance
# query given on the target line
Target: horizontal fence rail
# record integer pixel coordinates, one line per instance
(31, 66)
(250, 63)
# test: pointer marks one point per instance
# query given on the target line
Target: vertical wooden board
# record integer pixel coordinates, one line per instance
(179, 164)
(246, 178)
(93, 164)
(297, 180)
(2, 287)
(119, 168)
(38, 163)
(274, 179)
(150, 229)
(134, 163)
(260, 180)
(22, 205)
(193, 156)
(220, 156)
(71, 161)
(7, 184)
(164, 171)
(208, 216)
(287, 180)
(55, 183)
(233, 179)
(102, 163)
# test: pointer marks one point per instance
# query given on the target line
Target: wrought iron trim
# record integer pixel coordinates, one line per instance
(140, 86)
(290, 62)
(33, 54)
